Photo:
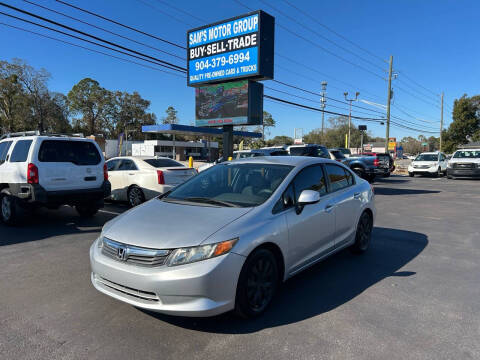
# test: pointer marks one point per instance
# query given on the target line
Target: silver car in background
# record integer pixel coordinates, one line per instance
(225, 239)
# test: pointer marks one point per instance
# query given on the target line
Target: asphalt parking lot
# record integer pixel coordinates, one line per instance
(414, 295)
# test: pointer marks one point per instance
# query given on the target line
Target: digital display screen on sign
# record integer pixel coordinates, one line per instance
(236, 48)
(230, 103)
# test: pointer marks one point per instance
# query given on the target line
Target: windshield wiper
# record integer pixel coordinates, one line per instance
(210, 201)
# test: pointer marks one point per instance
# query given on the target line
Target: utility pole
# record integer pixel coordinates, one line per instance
(350, 115)
(323, 101)
(441, 121)
(389, 98)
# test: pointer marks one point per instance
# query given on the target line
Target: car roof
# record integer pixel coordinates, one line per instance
(285, 160)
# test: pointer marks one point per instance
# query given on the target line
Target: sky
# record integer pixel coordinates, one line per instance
(434, 44)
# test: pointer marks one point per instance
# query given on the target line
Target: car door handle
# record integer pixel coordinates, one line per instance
(131, 173)
(329, 208)
(357, 195)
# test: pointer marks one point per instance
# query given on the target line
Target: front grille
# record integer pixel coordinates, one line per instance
(134, 254)
(463, 165)
(140, 294)
(421, 166)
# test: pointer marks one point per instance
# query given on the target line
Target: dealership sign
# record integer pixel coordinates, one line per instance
(236, 48)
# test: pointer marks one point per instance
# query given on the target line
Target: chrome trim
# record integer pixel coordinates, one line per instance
(134, 254)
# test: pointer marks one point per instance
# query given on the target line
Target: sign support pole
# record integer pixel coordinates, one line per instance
(227, 141)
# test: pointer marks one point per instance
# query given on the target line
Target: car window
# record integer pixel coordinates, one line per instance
(159, 163)
(474, 154)
(127, 165)
(231, 184)
(4, 147)
(297, 151)
(338, 177)
(20, 151)
(112, 165)
(310, 178)
(426, 157)
(279, 153)
(76, 152)
(323, 152)
(286, 201)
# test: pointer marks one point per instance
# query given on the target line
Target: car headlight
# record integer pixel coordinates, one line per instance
(99, 242)
(198, 253)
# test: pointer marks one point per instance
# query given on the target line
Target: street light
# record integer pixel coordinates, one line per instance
(350, 114)
(323, 101)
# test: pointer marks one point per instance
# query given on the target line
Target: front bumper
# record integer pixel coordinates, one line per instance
(200, 289)
(463, 172)
(430, 170)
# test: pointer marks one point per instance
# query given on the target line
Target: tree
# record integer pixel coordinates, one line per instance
(280, 140)
(171, 117)
(466, 122)
(130, 112)
(94, 103)
(268, 122)
(335, 134)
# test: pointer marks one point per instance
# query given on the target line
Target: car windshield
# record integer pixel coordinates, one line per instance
(427, 157)
(231, 185)
(472, 154)
(338, 154)
(159, 163)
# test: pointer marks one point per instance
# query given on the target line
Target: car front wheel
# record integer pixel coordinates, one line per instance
(257, 283)
(364, 234)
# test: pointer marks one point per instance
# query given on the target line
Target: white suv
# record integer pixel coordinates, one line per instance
(464, 163)
(50, 171)
(429, 163)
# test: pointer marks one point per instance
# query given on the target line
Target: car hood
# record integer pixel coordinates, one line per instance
(430, 163)
(162, 225)
(464, 160)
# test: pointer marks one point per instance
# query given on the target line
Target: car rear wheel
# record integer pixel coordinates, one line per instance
(359, 172)
(411, 174)
(87, 211)
(257, 283)
(135, 196)
(8, 208)
(364, 234)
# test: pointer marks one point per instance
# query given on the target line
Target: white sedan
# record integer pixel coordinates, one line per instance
(137, 179)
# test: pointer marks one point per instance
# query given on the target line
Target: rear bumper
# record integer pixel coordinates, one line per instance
(36, 194)
(464, 172)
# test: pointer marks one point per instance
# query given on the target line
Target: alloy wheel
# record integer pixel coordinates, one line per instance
(364, 232)
(135, 196)
(261, 284)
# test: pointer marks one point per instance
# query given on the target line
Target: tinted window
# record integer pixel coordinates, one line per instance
(287, 200)
(158, 163)
(112, 164)
(4, 146)
(127, 165)
(279, 153)
(297, 151)
(20, 151)
(310, 178)
(350, 177)
(337, 176)
(337, 154)
(323, 152)
(76, 152)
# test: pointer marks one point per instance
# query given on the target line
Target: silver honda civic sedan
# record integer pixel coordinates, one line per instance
(225, 239)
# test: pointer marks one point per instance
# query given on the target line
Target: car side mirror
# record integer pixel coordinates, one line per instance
(308, 197)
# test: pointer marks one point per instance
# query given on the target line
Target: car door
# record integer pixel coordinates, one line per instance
(443, 162)
(128, 172)
(311, 228)
(347, 202)
(5, 176)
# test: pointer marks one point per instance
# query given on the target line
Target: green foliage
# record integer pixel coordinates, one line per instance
(466, 122)
(335, 134)
(280, 140)
(268, 122)
(171, 117)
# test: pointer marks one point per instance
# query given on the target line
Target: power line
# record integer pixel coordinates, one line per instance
(334, 32)
(416, 90)
(86, 40)
(169, 15)
(106, 30)
(416, 97)
(318, 34)
(92, 50)
(416, 83)
(120, 24)
(317, 45)
(171, 65)
(418, 119)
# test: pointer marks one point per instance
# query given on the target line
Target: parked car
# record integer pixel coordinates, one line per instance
(464, 163)
(137, 179)
(344, 151)
(226, 238)
(368, 167)
(50, 170)
(337, 155)
(428, 163)
(309, 150)
(243, 154)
